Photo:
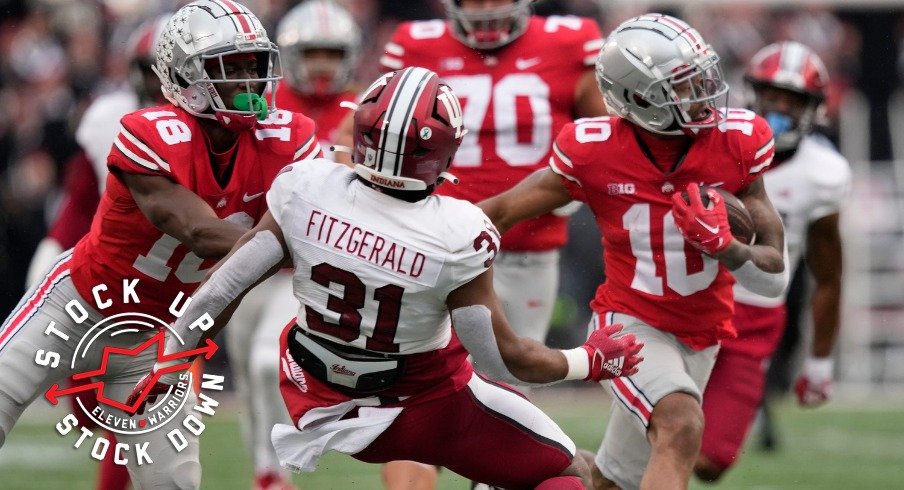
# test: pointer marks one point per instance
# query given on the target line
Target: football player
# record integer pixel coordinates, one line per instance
(319, 43)
(669, 263)
(186, 181)
(806, 183)
(383, 271)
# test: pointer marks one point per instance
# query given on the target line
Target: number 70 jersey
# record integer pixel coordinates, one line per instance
(125, 264)
(514, 101)
(651, 272)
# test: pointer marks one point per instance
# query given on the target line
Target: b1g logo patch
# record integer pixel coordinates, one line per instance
(108, 360)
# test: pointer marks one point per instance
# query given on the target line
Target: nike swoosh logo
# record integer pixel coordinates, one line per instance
(250, 197)
(523, 64)
(712, 229)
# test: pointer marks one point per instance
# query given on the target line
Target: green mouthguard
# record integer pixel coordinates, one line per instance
(251, 102)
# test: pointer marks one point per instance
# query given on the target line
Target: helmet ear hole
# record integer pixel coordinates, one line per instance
(640, 100)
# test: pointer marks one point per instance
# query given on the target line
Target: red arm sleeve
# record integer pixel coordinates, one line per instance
(79, 203)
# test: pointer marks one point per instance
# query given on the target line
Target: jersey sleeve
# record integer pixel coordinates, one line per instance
(474, 243)
(139, 148)
(308, 146)
(832, 186)
(301, 144)
(394, 52)
(406, 47)
(591, 40)
(573, 149)
(280, 192)
(757, 149)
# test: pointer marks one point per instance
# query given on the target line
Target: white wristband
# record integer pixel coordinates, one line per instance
(578, 363)
(818, 369)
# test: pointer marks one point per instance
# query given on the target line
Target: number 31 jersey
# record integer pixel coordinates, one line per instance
(651, 272)
(371, 270)
(514, 101)
(166, 141)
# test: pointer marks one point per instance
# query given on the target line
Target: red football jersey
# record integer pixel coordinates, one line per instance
(651, 272)
(123, 246)
(514, 101)
(325, 111)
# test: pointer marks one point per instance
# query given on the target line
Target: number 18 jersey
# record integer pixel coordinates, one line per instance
(651, 272)
(125, 252)
(514, 101)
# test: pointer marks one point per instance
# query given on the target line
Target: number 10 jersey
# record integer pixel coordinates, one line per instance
(652, 273)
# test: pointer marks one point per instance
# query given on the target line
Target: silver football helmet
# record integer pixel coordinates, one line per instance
(206, 30)
(658, 72)
(318, 24)
(488, 28)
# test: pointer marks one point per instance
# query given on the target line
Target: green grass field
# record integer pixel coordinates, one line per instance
(854, 443)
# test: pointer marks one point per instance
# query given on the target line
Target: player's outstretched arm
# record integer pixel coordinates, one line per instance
(824, 254)
(497, 351)
(181, 214)
(258, 254)
(541, 192)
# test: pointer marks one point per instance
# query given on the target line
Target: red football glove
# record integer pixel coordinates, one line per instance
(814, 384)
(611, 357)
(705, 228)
(151, 385)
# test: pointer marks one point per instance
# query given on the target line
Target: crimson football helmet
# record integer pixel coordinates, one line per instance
(408, 126)
(488, 28)
(318, 24)
(209, 31)
(658, 72)
(796, 68)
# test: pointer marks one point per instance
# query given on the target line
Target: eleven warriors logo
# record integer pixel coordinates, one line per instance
(118, 363)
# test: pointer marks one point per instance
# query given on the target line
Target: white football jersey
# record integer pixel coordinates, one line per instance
(371, 270)
(100, 126)
(810, 185)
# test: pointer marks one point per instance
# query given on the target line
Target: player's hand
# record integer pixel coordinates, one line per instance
(705, 228)
(151, 385)
(814, 384)
(611, 357)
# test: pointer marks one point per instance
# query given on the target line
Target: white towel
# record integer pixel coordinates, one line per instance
(321, 430)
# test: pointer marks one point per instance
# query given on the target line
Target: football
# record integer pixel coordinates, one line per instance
(739, 219)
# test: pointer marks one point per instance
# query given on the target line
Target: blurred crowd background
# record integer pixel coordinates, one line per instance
(56, 55)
